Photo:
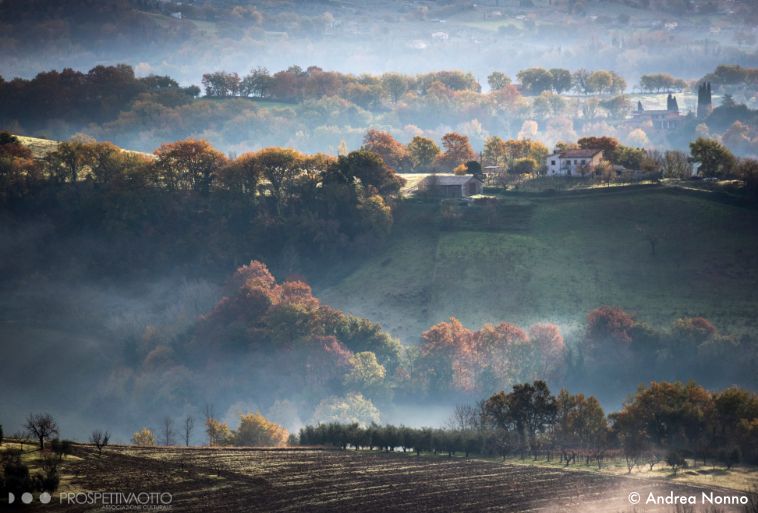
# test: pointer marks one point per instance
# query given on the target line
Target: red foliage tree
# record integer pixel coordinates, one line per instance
(609, 323)
(394, 154)
(444, 356)
(550, 348)
(458, 150)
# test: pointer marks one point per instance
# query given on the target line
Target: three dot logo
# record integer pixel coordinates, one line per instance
(27, 498)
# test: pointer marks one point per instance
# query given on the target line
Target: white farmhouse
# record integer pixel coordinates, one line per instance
(573, 162)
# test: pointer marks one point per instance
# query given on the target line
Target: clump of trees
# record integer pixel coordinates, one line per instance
(16, 478)
(673, 419)
(296, 84)
(535, 81)
(657, 82)
(453, 358)
(686, 420)
(259, 202)
(254, 430)
(98, 95)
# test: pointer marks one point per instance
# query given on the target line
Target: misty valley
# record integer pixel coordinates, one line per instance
(379, 256)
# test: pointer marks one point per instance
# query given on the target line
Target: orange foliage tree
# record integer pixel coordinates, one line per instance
(394, 154)
(458, 150)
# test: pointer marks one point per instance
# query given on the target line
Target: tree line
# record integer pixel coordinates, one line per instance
(273, 198)
(98, 95)
(296, 84)
(667, 422)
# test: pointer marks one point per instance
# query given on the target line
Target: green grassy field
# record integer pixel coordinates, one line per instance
(561, 257)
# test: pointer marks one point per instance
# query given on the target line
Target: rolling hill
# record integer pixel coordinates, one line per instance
(555, 258)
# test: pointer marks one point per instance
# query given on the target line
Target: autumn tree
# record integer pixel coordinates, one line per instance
(366, 373)
(500, 355)
(672, 416)
(370, 169)
(580, 426)
(524, 166)
(395, 85)
(394, 154)
(188, 165)
(609, 145)
(218, 432)
(444, 357)
(348, 409)
(144, 437)
(713, 158)
(422, 152)
(18, 169)
(458, 150)
(529, 409)
(609, 324)
(256, 430)
(109, 163)
(241, 175)
(69, 159)
(535, 80)
(497, 80)
(550, 349)
(280, 167)
(561, 80)
(221, 83)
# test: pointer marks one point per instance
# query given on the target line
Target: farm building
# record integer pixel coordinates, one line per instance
(573, 162)
(451, 186)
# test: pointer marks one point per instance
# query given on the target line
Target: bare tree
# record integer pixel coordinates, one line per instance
(209, 416)
(100, 439)
(42, 427)
(650, 236)
(189, 424)
(168, 431)
(463, 417)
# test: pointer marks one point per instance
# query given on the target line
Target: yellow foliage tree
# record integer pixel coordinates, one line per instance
(218, 432)
(143, 437)
(257, 430)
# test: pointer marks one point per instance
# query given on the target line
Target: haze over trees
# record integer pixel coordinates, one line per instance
(661, 422)
(274, 139)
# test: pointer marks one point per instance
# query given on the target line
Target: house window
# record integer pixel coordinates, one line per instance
(552, 162)
(584, 161)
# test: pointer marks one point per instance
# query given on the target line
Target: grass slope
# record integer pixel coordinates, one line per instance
(571, 253)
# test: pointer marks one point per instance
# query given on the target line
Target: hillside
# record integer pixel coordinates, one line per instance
(555, 258)
(40, 148)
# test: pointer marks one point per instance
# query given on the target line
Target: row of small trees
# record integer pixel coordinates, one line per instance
(535, 81)
(298, 84)
(661, 422)
(254, 430)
